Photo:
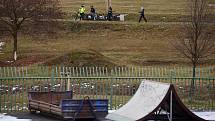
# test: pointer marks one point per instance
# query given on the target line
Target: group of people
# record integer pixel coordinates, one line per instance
(93, 14)
(109, 14)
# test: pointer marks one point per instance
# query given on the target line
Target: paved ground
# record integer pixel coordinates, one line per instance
(26, 116)
(210, 116)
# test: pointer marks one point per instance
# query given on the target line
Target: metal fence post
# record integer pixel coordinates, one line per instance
(111, 90)
(52, 78)
(171, 76)
(213, 90)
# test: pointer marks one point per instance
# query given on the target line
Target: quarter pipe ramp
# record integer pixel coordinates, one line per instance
(154, 101)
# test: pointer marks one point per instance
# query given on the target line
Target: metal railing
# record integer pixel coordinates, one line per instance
(116, 84)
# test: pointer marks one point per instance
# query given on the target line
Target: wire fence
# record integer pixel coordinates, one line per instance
(117, 84)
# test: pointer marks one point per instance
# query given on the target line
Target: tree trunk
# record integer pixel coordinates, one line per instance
(15, 45)
(192, 85)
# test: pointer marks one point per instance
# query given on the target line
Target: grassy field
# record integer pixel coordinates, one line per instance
(120, 43)
(129, 6)
(155, 10)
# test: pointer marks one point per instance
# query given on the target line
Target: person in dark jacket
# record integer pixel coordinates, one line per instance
(142, 15)
(110, 14)
(93, 12)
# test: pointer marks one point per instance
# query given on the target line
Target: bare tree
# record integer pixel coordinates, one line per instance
(197, 43)
(14, 14)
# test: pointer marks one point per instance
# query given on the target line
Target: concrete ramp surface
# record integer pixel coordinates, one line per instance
(154, 101)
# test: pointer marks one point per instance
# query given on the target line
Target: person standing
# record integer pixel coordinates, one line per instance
(82, 12)
(110, 14)
(142, 15)
(93, 12)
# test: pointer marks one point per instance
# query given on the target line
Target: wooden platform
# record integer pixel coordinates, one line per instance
(47, 101)
(61, 105)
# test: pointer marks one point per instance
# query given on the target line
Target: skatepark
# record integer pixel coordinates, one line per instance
(111, 60)
(152, 101)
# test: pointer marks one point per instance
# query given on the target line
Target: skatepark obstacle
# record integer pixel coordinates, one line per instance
(154, 101)
(62, 106)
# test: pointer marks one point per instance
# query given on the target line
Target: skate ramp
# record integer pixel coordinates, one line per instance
(152, 102)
